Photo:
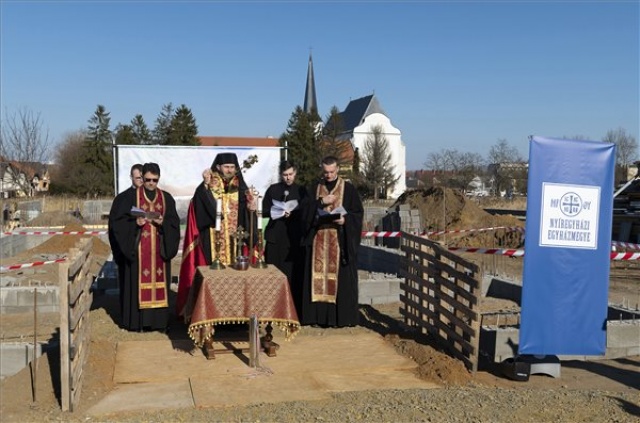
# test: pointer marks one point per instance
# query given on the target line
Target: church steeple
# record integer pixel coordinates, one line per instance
(310, 102)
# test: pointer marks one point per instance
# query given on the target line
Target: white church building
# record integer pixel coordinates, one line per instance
(358, 120)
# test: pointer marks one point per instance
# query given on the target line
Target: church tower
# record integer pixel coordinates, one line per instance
(310, 102)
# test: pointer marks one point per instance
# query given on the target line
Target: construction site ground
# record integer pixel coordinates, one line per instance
(380, 370)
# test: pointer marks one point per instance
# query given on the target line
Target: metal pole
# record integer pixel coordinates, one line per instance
(34, 366)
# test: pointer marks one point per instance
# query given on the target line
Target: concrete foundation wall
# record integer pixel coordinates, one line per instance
(379, 259)
(20, 299)
(498, 344)
(16, 356)
(10, 245)
(379, 291)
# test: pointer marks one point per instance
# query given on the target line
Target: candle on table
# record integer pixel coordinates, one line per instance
(259, 213)
(218, 213)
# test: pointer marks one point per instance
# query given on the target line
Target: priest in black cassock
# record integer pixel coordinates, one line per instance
(148, 237)
(136, 180)
(330, 289)
(283, 233)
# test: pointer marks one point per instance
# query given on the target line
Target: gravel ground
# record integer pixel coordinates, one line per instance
(473, 404)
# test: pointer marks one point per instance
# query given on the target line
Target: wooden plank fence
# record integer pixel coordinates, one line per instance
(75, 303)
(441, 295)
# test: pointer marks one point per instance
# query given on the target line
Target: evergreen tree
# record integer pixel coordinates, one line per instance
(162, 131)
(378, 171)
(125, 135)
(96, 176)
(334, 143)
(141, 130)
(184, 130)
(301, 141)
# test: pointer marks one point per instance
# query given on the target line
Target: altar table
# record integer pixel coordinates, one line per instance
(229, 296)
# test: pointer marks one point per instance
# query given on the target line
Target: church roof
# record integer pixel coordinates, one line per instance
(310, 101)
(357, 110)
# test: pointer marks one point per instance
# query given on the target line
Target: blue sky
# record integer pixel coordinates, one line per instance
(456, 74)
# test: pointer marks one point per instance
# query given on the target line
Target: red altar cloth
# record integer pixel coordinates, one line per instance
(232, 296)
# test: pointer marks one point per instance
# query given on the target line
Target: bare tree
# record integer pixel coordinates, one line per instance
(24, 141)
(505, 165)
(378, 170)
(435, 162)
(626, 150)
(460, 168)
(502, 152)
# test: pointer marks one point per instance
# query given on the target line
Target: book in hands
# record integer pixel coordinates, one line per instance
(328, 217)
(138, 212)
(279, 208)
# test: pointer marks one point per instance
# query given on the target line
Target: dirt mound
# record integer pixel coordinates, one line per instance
(54, 218)
(446, 208)
(60, 244)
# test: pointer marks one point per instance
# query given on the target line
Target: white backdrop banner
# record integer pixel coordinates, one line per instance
(181, 167)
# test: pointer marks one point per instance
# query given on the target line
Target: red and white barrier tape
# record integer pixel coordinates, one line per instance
(56, 233)
(25, 265)
(387, 234)
(628, 245)
(625, 256)
(520, 253)
(381, 234)
(461, 231)
(499, 251)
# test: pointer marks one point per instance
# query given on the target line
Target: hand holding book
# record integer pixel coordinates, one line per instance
(329, 217)
(138, 212)
(280, 208)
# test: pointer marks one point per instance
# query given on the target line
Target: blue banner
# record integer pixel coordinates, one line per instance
(565, 281)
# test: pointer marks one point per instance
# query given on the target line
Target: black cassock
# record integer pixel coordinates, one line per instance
(345, 311)
(283, 236)
(118, 257)
(126, 234)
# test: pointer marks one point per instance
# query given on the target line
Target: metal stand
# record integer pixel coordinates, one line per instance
(216, 264)
(261, 264)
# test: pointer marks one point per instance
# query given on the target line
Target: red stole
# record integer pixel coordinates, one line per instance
(326, 252)
(152, 282)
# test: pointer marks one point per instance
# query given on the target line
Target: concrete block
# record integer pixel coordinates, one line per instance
(394, 285)
(415, 212)
(20, 299)
(403, 207)
(16, 356)
(499, 343)
(373, 288)
(387, 299)
(625, 334)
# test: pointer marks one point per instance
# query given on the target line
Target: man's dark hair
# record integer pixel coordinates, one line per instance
(152, 168)
(136, 166)
(330, 160)
(287, 164)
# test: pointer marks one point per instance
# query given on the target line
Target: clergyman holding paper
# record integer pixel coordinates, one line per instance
(282, 204)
